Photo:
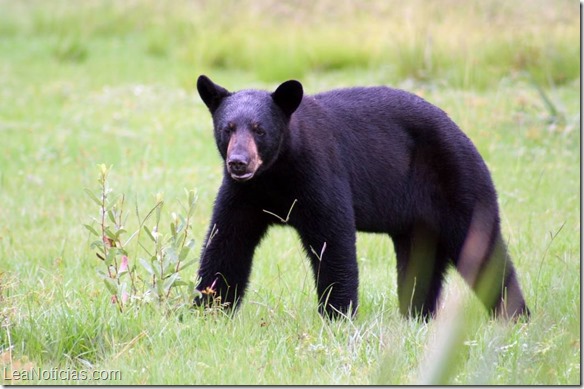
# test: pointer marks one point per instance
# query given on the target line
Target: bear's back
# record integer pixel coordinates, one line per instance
(383, 107)
(395, 120)
(400, 152)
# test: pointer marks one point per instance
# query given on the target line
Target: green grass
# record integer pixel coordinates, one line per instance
(112, 82)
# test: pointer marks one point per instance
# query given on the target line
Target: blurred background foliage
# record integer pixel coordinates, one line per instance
(465, 44)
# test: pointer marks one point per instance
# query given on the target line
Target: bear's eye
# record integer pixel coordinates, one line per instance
(230, 127)
(258, 130)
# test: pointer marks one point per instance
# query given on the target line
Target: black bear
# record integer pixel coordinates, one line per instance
(371, 159)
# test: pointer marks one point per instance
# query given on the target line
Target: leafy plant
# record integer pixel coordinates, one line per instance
(161, 258)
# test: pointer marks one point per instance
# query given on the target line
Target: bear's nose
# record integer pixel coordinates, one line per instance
(237, 165)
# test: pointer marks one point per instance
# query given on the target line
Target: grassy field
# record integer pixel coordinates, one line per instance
(85, 83)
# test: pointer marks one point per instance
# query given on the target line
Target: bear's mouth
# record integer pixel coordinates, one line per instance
(242, 177)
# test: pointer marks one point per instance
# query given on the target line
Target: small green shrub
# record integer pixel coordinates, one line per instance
(136, 270)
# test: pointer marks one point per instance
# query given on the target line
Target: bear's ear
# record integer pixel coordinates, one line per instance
(288, 96)
(211, 93)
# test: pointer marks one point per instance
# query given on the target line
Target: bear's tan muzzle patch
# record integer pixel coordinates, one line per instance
(243, 159)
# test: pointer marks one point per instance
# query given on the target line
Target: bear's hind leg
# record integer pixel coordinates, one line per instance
(491, 274)
(421, 266)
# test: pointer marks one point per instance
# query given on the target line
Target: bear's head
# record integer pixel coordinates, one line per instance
(250, 125)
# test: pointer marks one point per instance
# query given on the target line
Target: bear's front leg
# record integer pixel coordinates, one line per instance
(330, 245)
(235, 231)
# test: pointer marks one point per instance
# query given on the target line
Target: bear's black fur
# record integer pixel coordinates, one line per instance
(370, 159)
